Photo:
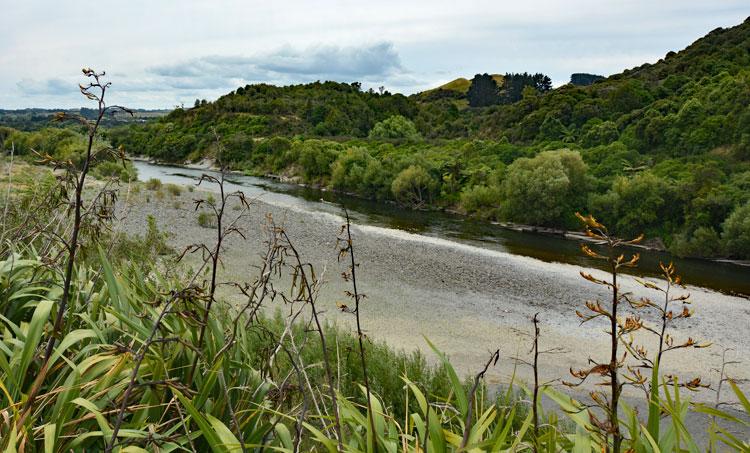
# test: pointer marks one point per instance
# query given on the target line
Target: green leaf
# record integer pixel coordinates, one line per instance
(654, 408)
(100, 420)
(50, 430)
(34, 334)
(740, 396)
(458, 387)
(70, 339)
(228, 440)
(283, 434)
(209, 433)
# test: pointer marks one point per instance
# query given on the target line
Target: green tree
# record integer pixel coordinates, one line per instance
(316, 157)
(603, 133)
(483, 91)
(414, 186)
(545, 190)
(395, 127)
(635, 205)
(736, 233)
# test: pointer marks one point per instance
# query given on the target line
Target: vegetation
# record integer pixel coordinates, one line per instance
(32, 119)
(110, 347)
(673, 132)
(583, 79)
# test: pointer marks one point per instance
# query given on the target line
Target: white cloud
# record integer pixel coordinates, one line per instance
(171, 51)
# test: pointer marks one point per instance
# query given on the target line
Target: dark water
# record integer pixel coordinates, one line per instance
(725, 277)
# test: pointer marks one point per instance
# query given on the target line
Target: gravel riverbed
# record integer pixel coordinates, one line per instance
(467, 300)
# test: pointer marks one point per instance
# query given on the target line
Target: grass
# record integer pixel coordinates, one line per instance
(206, 219)
(462, 84)
(119, 374)
(173, 189)
(153, 184)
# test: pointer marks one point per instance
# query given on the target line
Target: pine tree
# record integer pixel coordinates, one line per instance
(483, 91)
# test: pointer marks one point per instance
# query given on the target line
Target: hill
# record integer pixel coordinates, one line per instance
(461, 85)
(35, 118)
(663, 147)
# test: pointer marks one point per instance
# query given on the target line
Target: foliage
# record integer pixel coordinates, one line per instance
(206, 220)
(414, 186)
(94, 372)
(583, 79)
(544, 190)
(153, 184)
(483, 91)
(515, 84)
(736, 232)
(395, 128)
(124, 171)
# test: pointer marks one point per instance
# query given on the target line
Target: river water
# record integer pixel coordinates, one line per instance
(724, 277)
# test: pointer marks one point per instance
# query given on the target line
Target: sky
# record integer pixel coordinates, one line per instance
(164, 53)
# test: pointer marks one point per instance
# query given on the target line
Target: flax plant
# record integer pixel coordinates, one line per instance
(618, 328)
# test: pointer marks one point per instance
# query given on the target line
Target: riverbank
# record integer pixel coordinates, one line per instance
(466, 299)
(650, 244)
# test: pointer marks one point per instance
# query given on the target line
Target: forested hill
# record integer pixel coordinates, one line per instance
(663, 148)
(688, 102)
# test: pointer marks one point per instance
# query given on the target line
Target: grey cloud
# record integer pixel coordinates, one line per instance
(375, 60)
(285, 65)
(54, 87)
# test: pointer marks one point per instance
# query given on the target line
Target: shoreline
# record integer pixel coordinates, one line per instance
(570, 235)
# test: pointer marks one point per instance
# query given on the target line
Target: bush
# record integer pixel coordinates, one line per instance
(635, 205)
(142, 249)
(173, 189)
(736, 233)
(414, 186)
(153, 184)
(115, 169)
(395, 127)
(704, 241)
(481, 200)
(316, 157)
(546, 189)
(357, 171)
(206, 220)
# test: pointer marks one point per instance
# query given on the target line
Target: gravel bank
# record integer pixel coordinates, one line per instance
(465, 299)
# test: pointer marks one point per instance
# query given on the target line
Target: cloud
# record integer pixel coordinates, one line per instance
(47, 87)
(285, 65)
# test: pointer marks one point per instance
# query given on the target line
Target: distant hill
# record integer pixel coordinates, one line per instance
(461, 84)
(35, 118)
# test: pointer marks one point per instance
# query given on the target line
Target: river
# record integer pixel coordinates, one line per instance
(726, 277)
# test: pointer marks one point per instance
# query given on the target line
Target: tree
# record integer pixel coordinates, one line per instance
(514, 84)
(414, 186)
(316, 157)
(736, 233)
(603, 133)
(483, 91)
(583, 79)
(546, 189)
(641, 204)
(357, 171)
(395, 127)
